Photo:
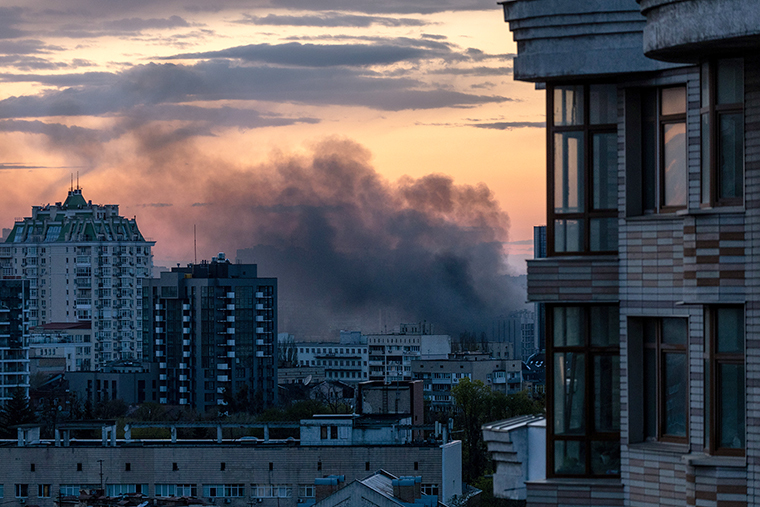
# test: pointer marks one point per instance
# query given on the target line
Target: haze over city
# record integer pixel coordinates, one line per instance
(373, 145)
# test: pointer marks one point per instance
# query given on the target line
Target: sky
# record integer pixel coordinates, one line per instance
(394, 128)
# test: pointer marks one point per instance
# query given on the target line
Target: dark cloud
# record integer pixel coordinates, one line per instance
(154, 205)
(388, 6)
(344, 242)
(10, 17)
(139, 24)
(509, 125)
(321, 55)
(330, 19)
(153, 84)
(474, 71)
(10, 166)
(25, 47)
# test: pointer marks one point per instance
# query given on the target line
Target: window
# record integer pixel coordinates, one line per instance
(583, 165)
(584, 406)
(175, 467)
(725, 388)
(22, 490)
(429, 489)
(306, 491)
(127, 467)
(275, 491)
(32, 467)
(79, 467)
(722, 119)
(223, 490)
(125, 489)
(43, 490)
(659, 372)
(176, 490)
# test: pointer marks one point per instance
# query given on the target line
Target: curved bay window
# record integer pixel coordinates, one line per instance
(582, 166)
(584, 391)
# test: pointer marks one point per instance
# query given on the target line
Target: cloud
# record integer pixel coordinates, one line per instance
(509, 125)
(154, 84)
(320, 55)
(140, 24)
(330, 19)
(9, 18)
(474, 71)
(388, 6)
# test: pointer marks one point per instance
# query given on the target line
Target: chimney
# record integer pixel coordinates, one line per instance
(326, 486)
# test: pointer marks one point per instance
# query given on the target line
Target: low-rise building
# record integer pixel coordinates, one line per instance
(235, 472)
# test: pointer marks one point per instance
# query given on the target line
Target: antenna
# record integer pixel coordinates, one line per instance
(195, 245)
(71, 187)
(77, 180)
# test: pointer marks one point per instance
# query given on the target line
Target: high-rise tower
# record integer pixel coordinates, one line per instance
(84, 262)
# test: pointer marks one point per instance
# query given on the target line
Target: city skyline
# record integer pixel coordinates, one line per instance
(185, 115)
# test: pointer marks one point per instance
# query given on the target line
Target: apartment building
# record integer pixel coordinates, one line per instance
(212, 328)
(346, 360)
(14, 328)
(391, 354)
(441, 375)
(61, 346)
(650, 280)
(84, 262)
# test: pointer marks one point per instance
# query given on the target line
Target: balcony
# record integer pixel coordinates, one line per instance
(688, 30)
(559, 39)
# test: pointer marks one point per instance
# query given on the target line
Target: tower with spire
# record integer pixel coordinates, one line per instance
(84, 262)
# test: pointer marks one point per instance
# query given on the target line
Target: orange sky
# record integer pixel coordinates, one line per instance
(154, 105)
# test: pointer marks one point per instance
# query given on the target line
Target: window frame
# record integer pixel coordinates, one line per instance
(588, 213)
(713, 360)
(712, 110)
(590, 352)
(661, 349)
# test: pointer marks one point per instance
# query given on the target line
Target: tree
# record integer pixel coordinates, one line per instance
(476, 405)
(15, 411)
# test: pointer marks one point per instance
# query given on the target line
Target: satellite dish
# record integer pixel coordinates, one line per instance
(307, 380)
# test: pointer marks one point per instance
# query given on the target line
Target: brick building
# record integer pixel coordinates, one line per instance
(651, 275)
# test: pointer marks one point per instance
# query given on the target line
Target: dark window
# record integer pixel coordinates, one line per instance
(79, 467)
(175, 467)
(416, 465)
(127, 467)
(582, 169)
(319, 465)
(722, 120)
(583, 379)
(334, 432)
(366, 465)
(32, 467)
(663, 370)
(222, 466)
(725, 381)
(271, 466)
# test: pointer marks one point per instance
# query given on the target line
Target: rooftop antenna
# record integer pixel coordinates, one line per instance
(78, 188)
(195, 245)
(71, 187)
